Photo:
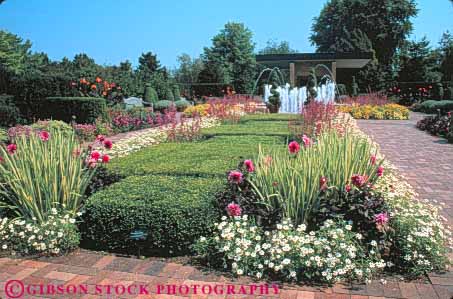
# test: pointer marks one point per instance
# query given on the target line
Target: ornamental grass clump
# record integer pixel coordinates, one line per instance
(43, 171)
(292, 181)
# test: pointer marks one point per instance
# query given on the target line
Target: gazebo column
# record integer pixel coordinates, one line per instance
(334, 70)
(292, 74)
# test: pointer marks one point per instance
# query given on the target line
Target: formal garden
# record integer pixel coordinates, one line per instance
(197, 165)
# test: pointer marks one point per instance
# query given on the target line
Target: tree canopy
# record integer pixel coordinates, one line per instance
(274, 47)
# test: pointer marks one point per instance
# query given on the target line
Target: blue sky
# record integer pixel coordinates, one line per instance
(113, 31)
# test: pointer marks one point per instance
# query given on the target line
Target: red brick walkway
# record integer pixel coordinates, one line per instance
(426, 161)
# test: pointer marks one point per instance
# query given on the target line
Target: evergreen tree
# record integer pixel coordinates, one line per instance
(417, 62)
(446, 53)
(273, 47)
(147, 65)
(232, 57)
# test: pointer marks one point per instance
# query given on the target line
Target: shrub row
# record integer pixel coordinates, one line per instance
(433, 106)
(172, 211)
(9, 113)
(80, 109)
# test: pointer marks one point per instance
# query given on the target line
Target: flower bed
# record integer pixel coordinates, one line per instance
(387, 111)
(438, 126)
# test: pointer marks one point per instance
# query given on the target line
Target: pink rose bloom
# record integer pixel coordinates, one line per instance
(100, 138)
(108, 144)
(307, 141)
(380, 171)
(358, 180)
(249, 165)
(44, 135)
(373, 159)
(95, 155)
(105, 159)
(11, 148)
(234, 209)
(381, 218)
(293, 147)
(347, 188)
(235, 177)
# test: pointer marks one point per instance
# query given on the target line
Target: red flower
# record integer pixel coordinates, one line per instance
(358, 180)
(235, 177)
(112, 84)
(105, 159)
(293, 147)
(249, 165)
(275, 184)
(108, 144)
(373, 159)
(100, 138)
(380, 171)
(323, 183)
(234, 209)
(1, 159)
(348, 188)
(95, 155)
(98, 80)
(11, 148)
(44, 135)
(93, 86)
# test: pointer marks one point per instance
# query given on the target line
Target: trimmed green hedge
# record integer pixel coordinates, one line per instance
(162, 105)
(251, 127)
(431, 106)
(212, 157)
(84, 109)
(174, 212)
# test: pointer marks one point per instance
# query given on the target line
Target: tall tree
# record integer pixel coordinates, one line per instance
(446, 52)
(386, 23)
(188, 72)
(13, 51)
(147, 65)
(417, 62)
(274, 47)
(232, 57)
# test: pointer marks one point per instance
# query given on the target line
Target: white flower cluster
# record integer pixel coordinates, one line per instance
(330, 254)
(135, 141)
(29, 237)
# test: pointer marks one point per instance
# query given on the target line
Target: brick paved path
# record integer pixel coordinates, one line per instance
(425, 160)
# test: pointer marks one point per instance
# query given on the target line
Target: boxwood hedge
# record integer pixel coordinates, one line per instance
(83, 109)
(173, 211)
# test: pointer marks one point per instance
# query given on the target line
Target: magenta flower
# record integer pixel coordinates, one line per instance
(348, 188)
(108, 144)
(44, 135)
(293, 147)
(92, 163)
(235, 177)
(95, 155)
(249, 165)
(358, 180)
(373, 159)
(12, 148)
(380, 171)
(307, 141)
(381, 218)
(105, 159)
(234, 209)
(100, 138)
(323, 183)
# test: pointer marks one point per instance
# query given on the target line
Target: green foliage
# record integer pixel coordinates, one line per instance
(446, 50)
(150, 95)
(50, 125)
(232, 57)
(173, 211)
(274, 100)
(148, 64)
(13, 51)
(182, 104)
(169, 95)
(44, 175)
(68, 109)
(212, 157)
(254, 127)
(432, 106)
(3, 136)
(163, 105)
(9, 113)
(188, 72)
(176, 92)
(273, 47)
(298, 188)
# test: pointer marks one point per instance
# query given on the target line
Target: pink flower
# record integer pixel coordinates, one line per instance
(307, 141)
(108, 144)
(234, 209)
(373, 159)
(100, 138)
(95, 155)
(381, 218)
(323, 183)
(235, 177)
(380, 171)
(348, 188)
(105, 159)
(249, 165)
(44, 135)
(293, 147)
(11, 148)
(1, 159)
(358, 180)
(92, 163)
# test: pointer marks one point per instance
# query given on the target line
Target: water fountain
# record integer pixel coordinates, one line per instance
(293, 99)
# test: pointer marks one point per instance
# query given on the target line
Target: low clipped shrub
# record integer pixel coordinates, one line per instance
(182, 104)
(172, 211)
(163, 105)
(432, 106)
(68, 109)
